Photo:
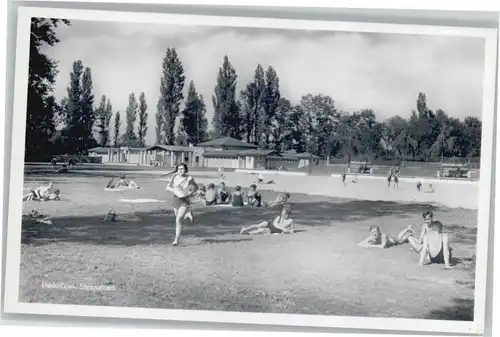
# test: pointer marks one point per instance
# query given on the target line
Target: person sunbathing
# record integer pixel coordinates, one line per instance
(282, 224)
(211, 195)
(254, 198)
(377, 239)
(237, 197)
(436, 246)
(122, 183)
(280, 200)
(43, 193)
(223, 194)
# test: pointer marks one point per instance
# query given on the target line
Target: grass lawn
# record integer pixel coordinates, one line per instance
(319, 270)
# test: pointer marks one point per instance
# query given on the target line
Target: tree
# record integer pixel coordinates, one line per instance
(171, 87)
(143, 120)
(107, 120)
(194, 121)
(87, 114)
(130, 138)
(102, 128)
(41, 105)
(73, 128)
(271, 101)
(159, 122)
(279, 124)
(116, 130)
(226, 120)
(253, 119)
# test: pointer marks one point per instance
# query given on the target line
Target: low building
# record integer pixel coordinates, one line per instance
(226, 143)
(238, 159)
(120, 155)
(170, 155)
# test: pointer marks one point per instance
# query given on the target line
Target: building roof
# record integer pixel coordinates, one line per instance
(302, 155)
(100, 149)
(227, 141)
(174, 148)
(236, 153)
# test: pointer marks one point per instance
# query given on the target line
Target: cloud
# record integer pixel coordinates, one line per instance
(384, 72)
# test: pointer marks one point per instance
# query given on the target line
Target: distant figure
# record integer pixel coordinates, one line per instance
(223, 194)
(254, 198)
(395, 178)
(436, 246)
(389, 178)
(377, 239)
(53, 162)
(344, 177)
(260, 180)
(237, 197)
(63, 169)
(419, 186)
(430, 189)
(221, 172)
(282, 224)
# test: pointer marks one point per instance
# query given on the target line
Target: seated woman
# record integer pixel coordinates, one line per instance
(377, 239)
(280, 200)
(254, 198)
(282, 224)
(122, 183)
(223, 194)
(199, 195)
(211, 195)
(237, 197)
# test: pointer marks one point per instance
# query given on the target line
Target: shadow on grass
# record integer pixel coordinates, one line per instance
(461, 310)
(210, 223)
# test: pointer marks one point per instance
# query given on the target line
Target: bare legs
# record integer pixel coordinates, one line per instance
(180, 213)
(261, 228)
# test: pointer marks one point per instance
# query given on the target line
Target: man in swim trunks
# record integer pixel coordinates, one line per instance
(282, 224)
(254, 197)
(377, 239)
(436, 246)
(416, 243)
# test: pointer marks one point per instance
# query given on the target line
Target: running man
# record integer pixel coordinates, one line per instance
(282, 224)
(182, 186)
(436, 246)
(377, 239)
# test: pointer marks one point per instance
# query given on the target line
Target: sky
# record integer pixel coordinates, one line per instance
(384, 72)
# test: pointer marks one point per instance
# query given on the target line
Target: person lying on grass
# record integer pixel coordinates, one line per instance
(254, 198)
(377, 239)
(280, 200)
(43, 193)
(122, 182)
(237, 197)
(223, 195)
(436, 246)
(282, 224)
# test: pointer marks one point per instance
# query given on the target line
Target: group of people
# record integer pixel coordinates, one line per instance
(432, 244)
(184, 189)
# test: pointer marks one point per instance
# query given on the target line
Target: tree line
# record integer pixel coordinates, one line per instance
(258, 114)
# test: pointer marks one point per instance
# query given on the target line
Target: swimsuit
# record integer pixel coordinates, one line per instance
(439, 258)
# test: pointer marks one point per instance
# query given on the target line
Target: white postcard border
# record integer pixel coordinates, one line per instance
(12, 305)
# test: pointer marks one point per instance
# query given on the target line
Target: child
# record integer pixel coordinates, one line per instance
(254, 197)
(377, 239)
(436, 246)
(282, 224)
(223, 194)
(237, 197)
(211, 195)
